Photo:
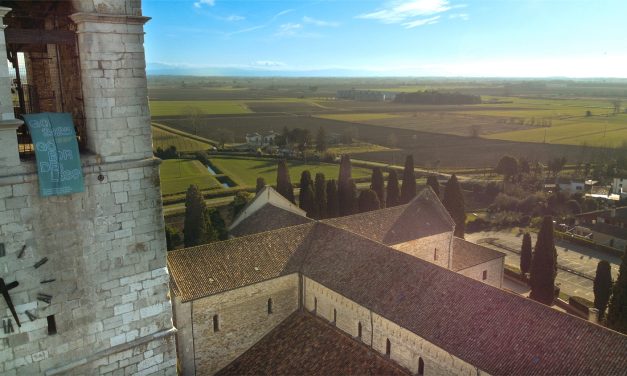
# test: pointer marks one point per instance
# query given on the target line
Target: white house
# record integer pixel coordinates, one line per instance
(619, 187)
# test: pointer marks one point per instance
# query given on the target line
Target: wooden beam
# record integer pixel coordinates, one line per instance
(35, 36)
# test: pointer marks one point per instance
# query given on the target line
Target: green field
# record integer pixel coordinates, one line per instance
(188, 108)
(360, 117)
(178, 174)
(244, 171)
(164, 139)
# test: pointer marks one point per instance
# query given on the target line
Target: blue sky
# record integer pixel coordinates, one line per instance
(513, 38)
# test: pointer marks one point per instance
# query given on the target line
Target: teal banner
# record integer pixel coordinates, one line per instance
(56, 150)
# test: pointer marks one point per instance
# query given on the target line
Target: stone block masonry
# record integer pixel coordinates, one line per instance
(242, 320)
(106, 267)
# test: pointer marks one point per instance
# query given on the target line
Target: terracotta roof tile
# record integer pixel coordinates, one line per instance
(424, 216)
(467, 254)
(268, 217)
(307, 345)
(216, 267)
(496, 331)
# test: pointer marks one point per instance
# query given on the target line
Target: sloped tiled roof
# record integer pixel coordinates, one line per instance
(496, 331)
(306, 345)
(423, 216)
(268, 217)
(467, 254)
(212, 268)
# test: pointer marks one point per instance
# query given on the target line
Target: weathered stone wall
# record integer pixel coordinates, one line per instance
(111, 53)
(243, 320)
(436, 249)
(406, 347)
(106, 254)
(493, 269)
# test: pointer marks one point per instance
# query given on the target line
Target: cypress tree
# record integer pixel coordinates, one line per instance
(602, 287)
(306, 200)
(408, 189)
(218, 224)
(454, 202)
(525, 254)
(368, 201)
(333, 203)
(378, 185)
(197, 226)
(261, 183)
(320, 194)
(432, 181)
(392, 191)
(617, 310)
(351, 198)
(343, 186)
(306, 197)
(283, 182)
(347, 198)
(544, 264)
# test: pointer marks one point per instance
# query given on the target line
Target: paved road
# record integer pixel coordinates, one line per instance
(582, 261)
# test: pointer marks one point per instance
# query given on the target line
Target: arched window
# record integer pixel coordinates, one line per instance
(421, 367)
(388, 347)
(334, 315)
(216, 323)
(359, 330)
(269, 306)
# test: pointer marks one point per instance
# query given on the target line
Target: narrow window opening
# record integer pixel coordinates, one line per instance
(269, 306)
(421, 367)
(485, 275)
(334, 315)
(52, 325)
(315, 305)
(359, 330)
(388, 347)
(435, 254)
(216, 323)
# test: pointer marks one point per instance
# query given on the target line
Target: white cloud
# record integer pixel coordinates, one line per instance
(320, 23)
(461, 16)
(289, 29)
(269, 63)
(252, 28)
(200, 3)
(421, 22)
(234, 18)
(410, 13)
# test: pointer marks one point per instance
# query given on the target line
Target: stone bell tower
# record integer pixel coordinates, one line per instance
(91, 291)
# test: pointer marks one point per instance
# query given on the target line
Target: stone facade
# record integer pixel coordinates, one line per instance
(435, 249)
(242, 320)
(491, 270)
(406, 348)
(99, 255)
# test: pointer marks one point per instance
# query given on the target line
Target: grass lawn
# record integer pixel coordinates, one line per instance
(361, 147)
(164, 139)
(178, 174)
(172, 108)
(359, 117)
(244, 171)
(604, 131)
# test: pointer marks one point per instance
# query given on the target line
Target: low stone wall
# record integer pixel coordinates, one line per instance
(406, 348)
(242, 320)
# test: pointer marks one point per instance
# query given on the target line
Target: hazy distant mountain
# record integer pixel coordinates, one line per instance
(176, 70)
